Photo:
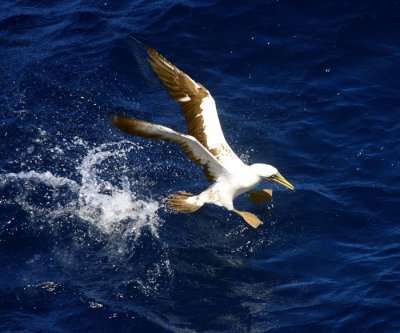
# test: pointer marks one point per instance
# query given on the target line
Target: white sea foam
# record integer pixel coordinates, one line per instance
(112, 206)
(106, 205)
(103, 191)
(46, 178)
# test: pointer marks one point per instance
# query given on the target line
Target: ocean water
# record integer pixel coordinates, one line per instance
(86, 242)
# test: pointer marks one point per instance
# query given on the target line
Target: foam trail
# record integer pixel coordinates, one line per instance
(106, 194)
(113, 207)
(46, 178)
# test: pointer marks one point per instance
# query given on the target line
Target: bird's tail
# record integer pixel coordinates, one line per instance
(183, 202)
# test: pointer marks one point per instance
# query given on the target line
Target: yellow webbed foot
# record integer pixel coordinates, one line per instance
(260, 197)
(250, 218)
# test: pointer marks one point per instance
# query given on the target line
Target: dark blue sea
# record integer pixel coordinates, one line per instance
(86, 241)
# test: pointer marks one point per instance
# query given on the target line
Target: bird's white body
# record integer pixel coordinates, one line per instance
(205, 144)
(232, 183)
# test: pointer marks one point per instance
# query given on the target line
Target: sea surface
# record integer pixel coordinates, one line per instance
(86, 241)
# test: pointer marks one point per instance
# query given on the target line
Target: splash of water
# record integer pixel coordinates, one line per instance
(113, 206)
(46, 178)
(106, 194)
(105, 204)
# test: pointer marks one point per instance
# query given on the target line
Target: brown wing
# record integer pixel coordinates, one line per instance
(190, 145)
(198, 107)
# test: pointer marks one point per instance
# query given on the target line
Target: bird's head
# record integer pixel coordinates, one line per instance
(271, 173)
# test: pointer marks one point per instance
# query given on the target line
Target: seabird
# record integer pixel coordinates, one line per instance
(204, 144)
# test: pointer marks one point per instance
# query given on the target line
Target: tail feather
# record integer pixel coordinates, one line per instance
(179, 203)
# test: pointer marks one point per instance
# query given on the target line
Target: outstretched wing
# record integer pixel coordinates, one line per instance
(190, 145)
(198, 107)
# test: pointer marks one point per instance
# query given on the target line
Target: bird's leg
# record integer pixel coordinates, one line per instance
(250, 218)
(260, 197)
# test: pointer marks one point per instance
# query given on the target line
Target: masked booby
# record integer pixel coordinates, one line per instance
(204, 144)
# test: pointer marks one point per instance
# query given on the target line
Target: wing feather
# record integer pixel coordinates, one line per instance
(198, 107)
(190, 145)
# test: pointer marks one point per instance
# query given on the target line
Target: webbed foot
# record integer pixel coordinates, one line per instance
(260, 197)
(250, 218)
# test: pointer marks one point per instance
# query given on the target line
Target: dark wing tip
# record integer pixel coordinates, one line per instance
(120, 122)
(113, 119)
(159, 60)
(154, 56)
(124, 124)
(132, 40)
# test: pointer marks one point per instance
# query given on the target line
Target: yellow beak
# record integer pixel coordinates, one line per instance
(278, 178)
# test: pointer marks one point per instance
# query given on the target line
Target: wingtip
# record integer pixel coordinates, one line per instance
(117, 121)
(132, 40)
(153, 55)
(112, 118)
